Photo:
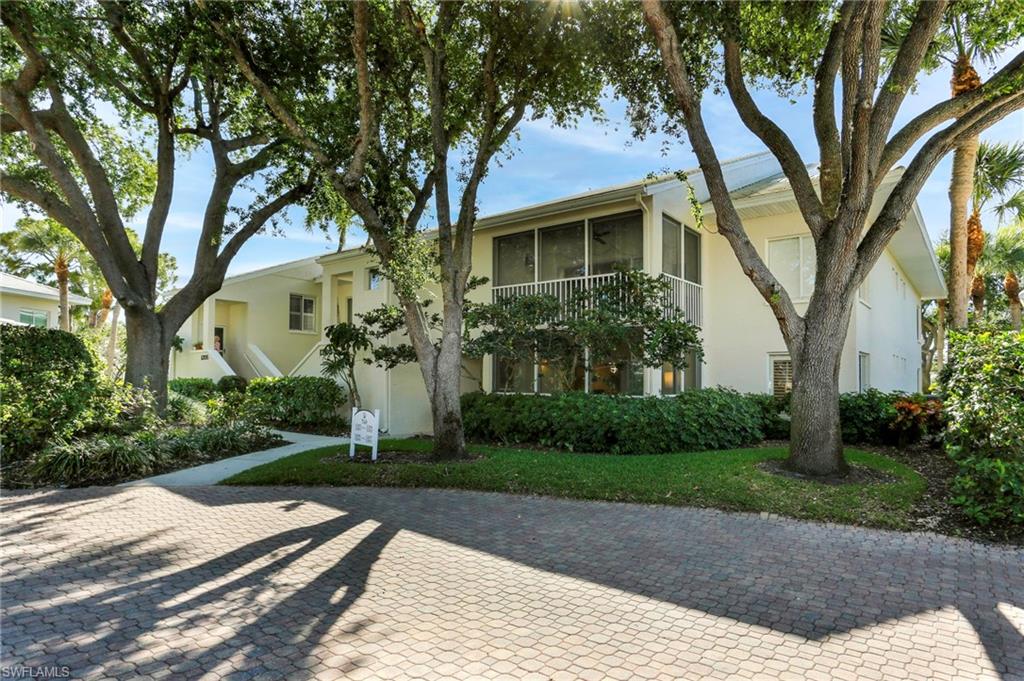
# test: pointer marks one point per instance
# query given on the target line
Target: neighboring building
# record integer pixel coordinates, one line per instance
(270, 321)
(28, 303)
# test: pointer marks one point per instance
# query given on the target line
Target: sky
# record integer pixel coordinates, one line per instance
(550, 162)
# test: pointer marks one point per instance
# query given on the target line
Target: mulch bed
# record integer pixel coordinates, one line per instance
(858, 475)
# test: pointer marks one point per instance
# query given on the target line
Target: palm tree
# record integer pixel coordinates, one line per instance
(51, 241)
(1006, 255)
(998, 175)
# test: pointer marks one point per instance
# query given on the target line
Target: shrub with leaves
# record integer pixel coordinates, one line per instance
(294, 401)
(196, 388)
(232, 384)
(48, 384)
(985, 407)
(712, 418)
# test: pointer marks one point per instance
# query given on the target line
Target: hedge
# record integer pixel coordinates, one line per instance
(293, 401)
(48, 385)
(697, 420)
(196, 388)
(985, 406)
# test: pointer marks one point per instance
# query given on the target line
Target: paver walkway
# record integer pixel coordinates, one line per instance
(379, 583)
(214, 472)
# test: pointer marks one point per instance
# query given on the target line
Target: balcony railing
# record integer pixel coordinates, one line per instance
(683, 297)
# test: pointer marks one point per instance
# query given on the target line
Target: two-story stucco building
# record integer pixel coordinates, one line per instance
(271, 321)
(28, 303)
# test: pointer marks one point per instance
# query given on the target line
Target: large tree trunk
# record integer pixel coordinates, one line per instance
(965, 79)
(960, 189)
(449, 438)
(149, 350)
(64, 311)
(1011, 287)
(112, 343)
(816, 441)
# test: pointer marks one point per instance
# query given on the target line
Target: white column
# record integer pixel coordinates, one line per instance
(209, 321)
(327, 316)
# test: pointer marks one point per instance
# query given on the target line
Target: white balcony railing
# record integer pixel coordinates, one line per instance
(683, 296)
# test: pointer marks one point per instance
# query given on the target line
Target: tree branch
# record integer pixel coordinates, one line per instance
(729, 223)
(775, 139)
(824, 111)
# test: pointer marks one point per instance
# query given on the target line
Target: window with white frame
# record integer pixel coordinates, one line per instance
(301, 313)
(781, 374)
(374, 279)
(38, 318)
(863, 371)
(791, 260)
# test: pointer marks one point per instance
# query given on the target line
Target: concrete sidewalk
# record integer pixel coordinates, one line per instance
(214, 472)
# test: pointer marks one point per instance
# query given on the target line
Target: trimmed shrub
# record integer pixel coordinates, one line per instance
(774, 415)
(232, 384)
(48, 386)
(294, 401)
(697, 420)
(196, 388)
(985, 407)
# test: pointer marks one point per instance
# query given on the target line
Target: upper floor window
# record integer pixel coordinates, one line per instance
(863, 371)
(34, 318)
(791, 260)
(301, 313)
(374, 279)
(514, 259)
(671, 247)
(562, 252)
(691, 255)
(617, 242)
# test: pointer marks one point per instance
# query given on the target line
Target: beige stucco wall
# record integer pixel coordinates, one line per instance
(11, 305)
(739, 331)
(255, 310)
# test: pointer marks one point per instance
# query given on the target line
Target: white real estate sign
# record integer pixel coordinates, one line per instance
(364, 431)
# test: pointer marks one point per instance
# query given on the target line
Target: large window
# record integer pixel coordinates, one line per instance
(301, 313)
(617, 242)
(562, 254)
(863, 371)
(671, 247)
(513, 376)
(34, 318)
(791, 260)
(619, 374)
(514, 259)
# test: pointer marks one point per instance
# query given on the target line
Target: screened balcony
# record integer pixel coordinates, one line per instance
(563, 260)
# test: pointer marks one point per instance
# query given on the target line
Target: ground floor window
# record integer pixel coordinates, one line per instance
(617, 374)
(675, 380)
(34, 318)
(863, 371)
(781, 373)
(514, 375)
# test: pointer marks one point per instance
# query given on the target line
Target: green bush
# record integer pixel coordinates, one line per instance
(985, 394)
(696, 420)
(107, 459)
(48, 385)
(866, 417)
(294, 401)
(985, 407)
(196, 388)
(990, 490)
(774, 415)
(184, 410)
(232, 384)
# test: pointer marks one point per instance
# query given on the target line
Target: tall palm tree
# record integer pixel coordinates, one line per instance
(998, 176)
(54, 244)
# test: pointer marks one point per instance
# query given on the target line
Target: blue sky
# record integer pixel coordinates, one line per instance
(550, 162)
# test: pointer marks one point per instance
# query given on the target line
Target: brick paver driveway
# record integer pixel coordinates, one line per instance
(295, 583)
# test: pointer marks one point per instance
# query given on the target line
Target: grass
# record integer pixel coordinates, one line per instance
(727, 480)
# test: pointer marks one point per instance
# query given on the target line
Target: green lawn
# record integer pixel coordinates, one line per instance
(720, 479)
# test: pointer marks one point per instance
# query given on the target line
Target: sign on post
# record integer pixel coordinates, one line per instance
(365, 428)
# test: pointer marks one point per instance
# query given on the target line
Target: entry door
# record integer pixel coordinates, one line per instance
(219, 339)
